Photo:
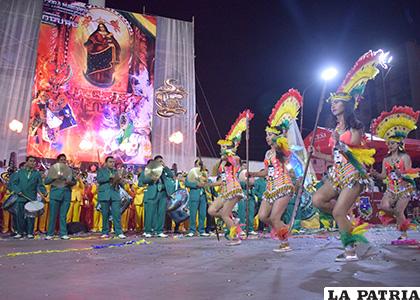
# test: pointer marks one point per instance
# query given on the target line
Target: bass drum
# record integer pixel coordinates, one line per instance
(176, 200)
(9, 204)
(126, 199)
(305, 211)
(181, 213)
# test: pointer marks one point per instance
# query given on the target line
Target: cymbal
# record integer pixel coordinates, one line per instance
(194, 175)
(242, 177)
(153, 170)
(58, 170)
(5, 176)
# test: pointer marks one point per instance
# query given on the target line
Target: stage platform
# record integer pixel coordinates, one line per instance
(199, 268)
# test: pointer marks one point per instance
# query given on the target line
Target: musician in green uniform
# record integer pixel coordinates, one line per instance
(60, 197)
(25, 182)
(251, 209)
(155, 197)
(109, 197)
(197, 201)
(259, 187)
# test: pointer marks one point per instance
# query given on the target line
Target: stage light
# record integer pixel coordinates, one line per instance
(385, 58)
(16, 126)
(107, 134)
(85, 145)
(329, 73)
(176, 137)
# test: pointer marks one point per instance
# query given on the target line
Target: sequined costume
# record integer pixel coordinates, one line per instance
(394, 126)
(279, 183)
(345, 171)
(230, 188)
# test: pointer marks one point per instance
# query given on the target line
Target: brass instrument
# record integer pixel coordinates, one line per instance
(60, 173)
(153, 170)
(197, 175)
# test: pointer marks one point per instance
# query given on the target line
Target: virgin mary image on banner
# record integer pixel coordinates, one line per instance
(103, 53)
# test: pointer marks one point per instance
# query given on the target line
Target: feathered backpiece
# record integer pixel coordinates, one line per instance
(285, 110)
(396, 124)
(365, 69)
(233, 138)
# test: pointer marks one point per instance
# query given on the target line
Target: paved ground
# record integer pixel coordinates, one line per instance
(200, 268)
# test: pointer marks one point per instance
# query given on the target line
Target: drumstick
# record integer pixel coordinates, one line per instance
(26, 197)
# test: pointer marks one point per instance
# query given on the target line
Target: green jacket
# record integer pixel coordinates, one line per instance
(195, 191)
(106, 191)
(27, 183)
(260, 186)
(165, 182)
(60, 193)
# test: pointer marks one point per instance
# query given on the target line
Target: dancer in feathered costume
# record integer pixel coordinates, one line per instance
(230, 188)
(350, 156)
(280, 188)
(394, 126)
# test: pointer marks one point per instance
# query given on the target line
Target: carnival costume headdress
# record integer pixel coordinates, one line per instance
(396, 124)
(233, 138)
(365, 69)
(352, 87)
(285, 110)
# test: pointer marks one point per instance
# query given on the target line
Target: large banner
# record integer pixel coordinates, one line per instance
(93, 89)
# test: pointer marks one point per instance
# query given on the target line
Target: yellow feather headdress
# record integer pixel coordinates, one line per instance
(396, 124)
(285, 110)
(233, 138)
(365, 69)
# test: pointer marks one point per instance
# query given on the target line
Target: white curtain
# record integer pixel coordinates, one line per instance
(19, 25)
(175, 60)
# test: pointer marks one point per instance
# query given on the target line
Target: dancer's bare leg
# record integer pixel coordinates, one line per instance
(215, 207)
(264, 212)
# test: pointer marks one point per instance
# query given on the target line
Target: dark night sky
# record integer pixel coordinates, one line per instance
(248, 53)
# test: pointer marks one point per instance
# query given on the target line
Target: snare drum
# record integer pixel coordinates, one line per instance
(9, 203)
(34, 209)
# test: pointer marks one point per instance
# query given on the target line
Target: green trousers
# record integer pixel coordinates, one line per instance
(21, 223)
(116, 216)
(201, 207)
(61, 208)
(251, 213)
(154, 213)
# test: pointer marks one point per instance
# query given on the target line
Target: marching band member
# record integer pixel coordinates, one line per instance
(138, 202)
(26, 182)
(394, 127)
(155, 199)
(97, 215)
(197, 201)
(280, 188)
(230, 191)
(60, 197)
(43, 219)
(4, 194)
(125, 216)
(348, 176)
(109, 196)
(260, 185)
(251, 208)
(76, 202)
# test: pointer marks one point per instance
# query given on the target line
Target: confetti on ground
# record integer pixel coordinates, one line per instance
(93, 247)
